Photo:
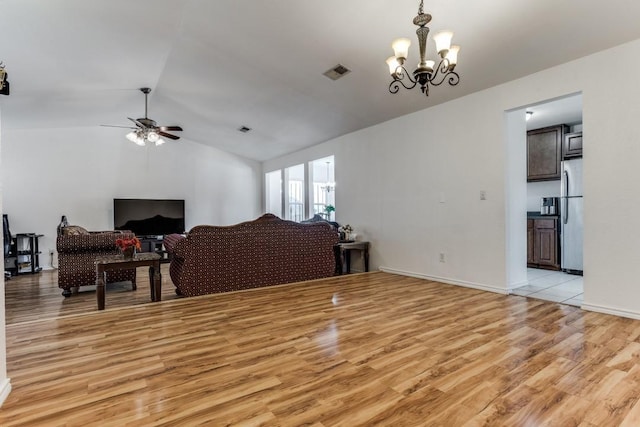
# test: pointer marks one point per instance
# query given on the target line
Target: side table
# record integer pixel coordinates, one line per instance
(344, 249)
(106, 263)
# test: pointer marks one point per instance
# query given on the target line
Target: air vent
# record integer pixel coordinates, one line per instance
(244, 129)
(336, 72)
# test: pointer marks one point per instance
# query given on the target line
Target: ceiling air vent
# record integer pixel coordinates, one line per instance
(244, 129)
(336, 72)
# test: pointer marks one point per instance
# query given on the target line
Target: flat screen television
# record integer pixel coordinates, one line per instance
(149, 217)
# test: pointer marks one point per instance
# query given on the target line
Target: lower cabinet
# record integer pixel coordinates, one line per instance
(543, 243)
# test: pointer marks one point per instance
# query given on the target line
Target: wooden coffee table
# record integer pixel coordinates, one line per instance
(106, 263)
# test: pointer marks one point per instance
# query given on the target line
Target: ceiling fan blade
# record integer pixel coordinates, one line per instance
(137, 123)
(170, 128)
(168, 135)
(116, 126)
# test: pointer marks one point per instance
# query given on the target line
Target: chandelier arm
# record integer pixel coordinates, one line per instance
(400, 77)
(442, 72)
(395, 84)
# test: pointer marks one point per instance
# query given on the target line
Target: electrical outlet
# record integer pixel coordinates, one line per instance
(441, 256)
(483, 195)
(50, 251)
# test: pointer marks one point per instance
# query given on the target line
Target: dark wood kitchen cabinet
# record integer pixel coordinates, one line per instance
(543, 243)
(530, 238)
(544, 153)
(572, 148)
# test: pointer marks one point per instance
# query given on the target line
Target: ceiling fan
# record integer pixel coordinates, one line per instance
(147, 130)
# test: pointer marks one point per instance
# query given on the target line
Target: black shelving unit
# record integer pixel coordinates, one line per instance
(27, 253)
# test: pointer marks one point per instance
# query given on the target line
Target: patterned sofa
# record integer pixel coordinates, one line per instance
(77, 250)
(266, 251)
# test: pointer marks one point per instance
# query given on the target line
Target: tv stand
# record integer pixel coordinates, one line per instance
(154, 244)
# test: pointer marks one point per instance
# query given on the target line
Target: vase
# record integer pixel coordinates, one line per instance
(129, 252)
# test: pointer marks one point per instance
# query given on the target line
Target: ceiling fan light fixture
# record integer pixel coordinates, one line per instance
(132, 136)
(153, 137)
(147, 130)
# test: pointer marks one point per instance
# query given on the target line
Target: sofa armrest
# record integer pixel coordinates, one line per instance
(93, 242)
(170, 241)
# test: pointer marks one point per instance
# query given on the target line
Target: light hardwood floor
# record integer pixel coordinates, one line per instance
(368, 349)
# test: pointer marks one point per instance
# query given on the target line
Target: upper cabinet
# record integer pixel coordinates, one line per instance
(572, 145)
(544, 153)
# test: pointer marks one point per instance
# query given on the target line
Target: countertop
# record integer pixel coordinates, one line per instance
(535, 214)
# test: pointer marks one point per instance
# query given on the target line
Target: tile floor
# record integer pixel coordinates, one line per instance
(552, 286)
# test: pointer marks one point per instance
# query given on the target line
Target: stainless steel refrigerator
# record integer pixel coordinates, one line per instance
(571, 212)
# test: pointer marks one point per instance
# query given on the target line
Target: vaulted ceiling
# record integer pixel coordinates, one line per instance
(217, 65)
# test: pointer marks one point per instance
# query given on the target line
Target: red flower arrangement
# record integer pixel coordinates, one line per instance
(128, 243)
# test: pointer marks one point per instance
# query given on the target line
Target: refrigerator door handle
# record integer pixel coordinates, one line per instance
(565, 208)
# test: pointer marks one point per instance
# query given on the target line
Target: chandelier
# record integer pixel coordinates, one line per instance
(426, 74)
(329, 185)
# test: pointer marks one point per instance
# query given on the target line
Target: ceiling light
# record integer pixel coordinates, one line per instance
(330, 185)
(160, 141)
(152, 136)
(529, 114)
(4, 84)
(426, 73)
(132, 136)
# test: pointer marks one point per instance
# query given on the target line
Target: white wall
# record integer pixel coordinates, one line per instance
(537, 190)
(412, 184)
(78, 172)
(5, 384)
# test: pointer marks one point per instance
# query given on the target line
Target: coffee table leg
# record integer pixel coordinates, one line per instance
(152, 286)
(157, 282)
(100, 288)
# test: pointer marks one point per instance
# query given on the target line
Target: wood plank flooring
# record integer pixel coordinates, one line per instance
(32, 297)
(372, 349)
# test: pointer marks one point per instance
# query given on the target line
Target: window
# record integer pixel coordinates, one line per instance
(294, 193)
(301, 191)
(323, 188)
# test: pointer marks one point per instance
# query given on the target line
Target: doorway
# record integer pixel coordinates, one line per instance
(555, 274)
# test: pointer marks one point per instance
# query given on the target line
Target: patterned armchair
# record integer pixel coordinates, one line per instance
(266, 251)
(77, 251)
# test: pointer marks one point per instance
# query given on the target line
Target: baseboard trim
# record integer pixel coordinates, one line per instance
(5, 390)
(447, 280)
(610, 310)
(518, 285)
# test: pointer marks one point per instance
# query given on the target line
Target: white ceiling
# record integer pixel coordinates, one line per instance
(219, 64)
(566, 110)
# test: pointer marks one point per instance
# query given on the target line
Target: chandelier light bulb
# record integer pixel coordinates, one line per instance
(393, 64)
(430, 64)
(401, 48)
(443, 42)
(452, 56)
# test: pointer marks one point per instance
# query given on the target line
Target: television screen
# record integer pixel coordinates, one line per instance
(148, 217)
